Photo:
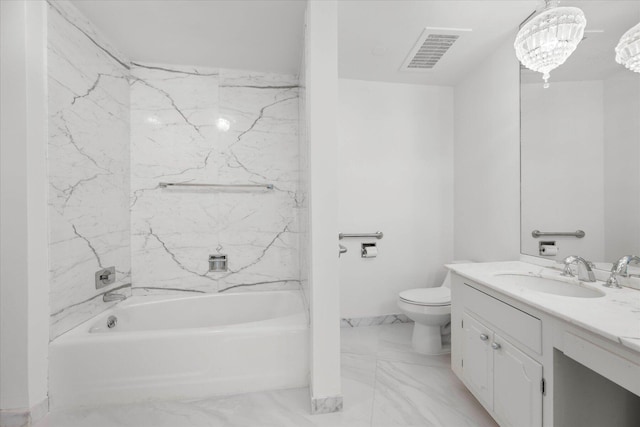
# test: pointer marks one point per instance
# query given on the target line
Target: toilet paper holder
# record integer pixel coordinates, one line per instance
(548, 248)
(369, 250)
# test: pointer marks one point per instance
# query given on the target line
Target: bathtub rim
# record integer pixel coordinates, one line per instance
(293, 322)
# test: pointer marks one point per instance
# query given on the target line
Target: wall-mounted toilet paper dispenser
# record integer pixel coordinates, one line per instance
(548, 248)
(369, 250)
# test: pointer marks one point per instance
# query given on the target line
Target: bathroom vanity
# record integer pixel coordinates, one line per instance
(538, 349)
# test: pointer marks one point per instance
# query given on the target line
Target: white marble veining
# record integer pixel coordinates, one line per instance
(213, 126)
(356, 322)
(614, 316)
(88, 161)
(326, 405)
(381, 385)
(304, 242)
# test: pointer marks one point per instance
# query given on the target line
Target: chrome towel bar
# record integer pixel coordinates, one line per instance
(188, 184)
(377, 235)
(578, 233)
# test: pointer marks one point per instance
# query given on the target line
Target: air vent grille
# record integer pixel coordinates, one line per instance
(430, 47)
(433, 48)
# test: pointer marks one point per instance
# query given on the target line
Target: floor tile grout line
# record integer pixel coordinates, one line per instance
(375, 376)
(373, 397)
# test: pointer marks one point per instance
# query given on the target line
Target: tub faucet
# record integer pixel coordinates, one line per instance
(620, 269)
(113, 296)
(584, 268)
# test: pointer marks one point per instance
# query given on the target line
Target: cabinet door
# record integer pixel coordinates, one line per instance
(477, 357)
(517, 397)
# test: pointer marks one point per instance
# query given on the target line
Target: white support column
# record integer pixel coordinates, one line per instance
(321, 81)
(24, 270)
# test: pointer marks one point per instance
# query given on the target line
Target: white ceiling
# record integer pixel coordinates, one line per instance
(394, 27)
(266, 35)
(374, 39)
(252, 35)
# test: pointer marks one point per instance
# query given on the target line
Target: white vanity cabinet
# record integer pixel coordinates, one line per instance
(517, 386)
(502, 377)
(536, 360)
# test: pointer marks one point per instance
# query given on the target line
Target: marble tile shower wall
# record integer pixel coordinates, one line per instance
(213, 126)
(117, 129)
(303, 189)
(88, 161)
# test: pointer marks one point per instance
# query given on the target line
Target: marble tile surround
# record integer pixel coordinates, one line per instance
(326, 405)
(384, 383)
(356, 322)
(116, 129)
(221, 126)
(88, 161)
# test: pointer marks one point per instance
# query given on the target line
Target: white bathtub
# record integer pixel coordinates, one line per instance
(175, 347)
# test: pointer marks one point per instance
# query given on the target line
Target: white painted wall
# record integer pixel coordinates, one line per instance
(321, 83)
(395, 172)
(24, 287)
(562, 166)
(487, 159)
(621, 161)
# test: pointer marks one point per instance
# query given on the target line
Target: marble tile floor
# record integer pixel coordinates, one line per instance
(384, 384)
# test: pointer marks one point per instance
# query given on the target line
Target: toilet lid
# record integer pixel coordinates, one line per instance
(427, 296)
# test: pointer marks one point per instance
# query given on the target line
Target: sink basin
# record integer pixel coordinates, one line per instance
(548, 285)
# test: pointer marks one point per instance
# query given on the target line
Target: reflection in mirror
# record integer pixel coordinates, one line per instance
(580, 145)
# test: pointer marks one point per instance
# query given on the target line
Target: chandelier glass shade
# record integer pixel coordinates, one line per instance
(549, 38)
(628, 49)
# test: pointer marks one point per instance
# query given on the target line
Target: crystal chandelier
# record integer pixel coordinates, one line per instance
(628, 49)
(549, 38)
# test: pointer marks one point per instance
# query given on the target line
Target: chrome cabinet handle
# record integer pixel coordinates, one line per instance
(484, 337)
(495, 346)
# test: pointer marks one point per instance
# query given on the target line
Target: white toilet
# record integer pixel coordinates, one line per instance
(430, 309)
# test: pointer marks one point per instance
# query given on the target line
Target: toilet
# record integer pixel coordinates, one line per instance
(430, 309)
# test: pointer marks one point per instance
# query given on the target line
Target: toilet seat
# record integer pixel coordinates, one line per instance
(430, 297)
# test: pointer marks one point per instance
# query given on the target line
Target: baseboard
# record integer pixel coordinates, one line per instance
(355, 322)
(40, 410)
(326, 405)
(24, 417)
(14, 418)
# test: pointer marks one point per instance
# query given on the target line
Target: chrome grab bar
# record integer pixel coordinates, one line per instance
(377, 235)
(189, 184)
(578, 233)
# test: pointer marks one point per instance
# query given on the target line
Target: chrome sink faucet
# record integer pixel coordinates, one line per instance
(620, 269)
(584, 268)
(113, 296)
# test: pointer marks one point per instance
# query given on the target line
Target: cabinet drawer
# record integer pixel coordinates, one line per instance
(517, 324)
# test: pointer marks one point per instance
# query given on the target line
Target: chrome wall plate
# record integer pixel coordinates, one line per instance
(105, 277)
(218, 262)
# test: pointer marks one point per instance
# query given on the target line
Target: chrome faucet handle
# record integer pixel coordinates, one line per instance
(566, 271)
(583, 267)
(620, 268)
(612, 282)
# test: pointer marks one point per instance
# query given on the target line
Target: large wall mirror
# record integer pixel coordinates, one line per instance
(580, 145)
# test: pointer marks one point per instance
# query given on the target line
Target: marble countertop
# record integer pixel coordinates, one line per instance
(615, 316)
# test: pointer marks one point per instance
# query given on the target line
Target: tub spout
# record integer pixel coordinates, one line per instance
(113, 296)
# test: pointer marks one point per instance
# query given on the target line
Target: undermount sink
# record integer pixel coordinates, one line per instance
(548, 285)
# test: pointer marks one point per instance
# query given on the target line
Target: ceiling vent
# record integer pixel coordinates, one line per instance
(430, 47)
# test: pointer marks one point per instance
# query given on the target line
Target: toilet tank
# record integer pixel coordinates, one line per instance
(447, 279)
